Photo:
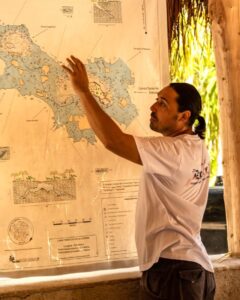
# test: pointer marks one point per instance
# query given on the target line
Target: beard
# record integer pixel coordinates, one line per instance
(153, 122)
(162, 127)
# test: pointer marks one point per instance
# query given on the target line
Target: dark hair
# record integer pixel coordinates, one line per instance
(190, 99)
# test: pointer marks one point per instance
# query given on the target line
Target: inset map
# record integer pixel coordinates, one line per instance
(59, 187)
(107, 12)
(67, 11)
(4, 153)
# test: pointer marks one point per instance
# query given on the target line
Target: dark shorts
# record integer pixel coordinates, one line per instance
(170, 279)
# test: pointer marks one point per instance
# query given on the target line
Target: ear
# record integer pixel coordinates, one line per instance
(185, 116)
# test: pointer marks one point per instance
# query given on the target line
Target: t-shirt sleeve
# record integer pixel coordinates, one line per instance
(159, 155)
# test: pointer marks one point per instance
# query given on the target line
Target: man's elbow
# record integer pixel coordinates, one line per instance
(110, 146)
(113, 143)
(121, 150)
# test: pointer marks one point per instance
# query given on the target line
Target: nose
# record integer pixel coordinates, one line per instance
(153, 107)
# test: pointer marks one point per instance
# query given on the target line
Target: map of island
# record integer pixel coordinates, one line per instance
(28, 69)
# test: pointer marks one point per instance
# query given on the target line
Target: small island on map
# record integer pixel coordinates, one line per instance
(32, 72)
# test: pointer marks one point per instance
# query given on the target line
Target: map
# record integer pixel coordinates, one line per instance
(34, 73)
(66, 201)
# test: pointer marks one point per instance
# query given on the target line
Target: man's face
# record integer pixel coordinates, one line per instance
(165, 117)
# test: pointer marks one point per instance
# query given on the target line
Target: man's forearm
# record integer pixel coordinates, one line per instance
(104, 127)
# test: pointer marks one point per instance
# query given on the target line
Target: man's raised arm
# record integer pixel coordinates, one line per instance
(104, 127)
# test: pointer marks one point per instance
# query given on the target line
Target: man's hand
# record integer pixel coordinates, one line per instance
(78, 75)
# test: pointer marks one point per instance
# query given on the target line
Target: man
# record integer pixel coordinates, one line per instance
(173, 190)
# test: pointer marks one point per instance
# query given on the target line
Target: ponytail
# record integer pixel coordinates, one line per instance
(200, 128)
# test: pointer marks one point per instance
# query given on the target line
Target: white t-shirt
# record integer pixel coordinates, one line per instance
(172, 199)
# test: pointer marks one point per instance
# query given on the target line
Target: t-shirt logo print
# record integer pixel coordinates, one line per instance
(201, 175)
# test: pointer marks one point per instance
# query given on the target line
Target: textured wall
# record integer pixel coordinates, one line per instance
(116, 290)
(228, 284)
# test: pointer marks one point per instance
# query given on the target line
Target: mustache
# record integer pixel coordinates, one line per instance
(153, 115)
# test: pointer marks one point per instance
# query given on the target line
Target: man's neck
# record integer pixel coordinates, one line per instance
(180, 132)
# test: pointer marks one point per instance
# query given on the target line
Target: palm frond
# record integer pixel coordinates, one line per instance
(176, 9)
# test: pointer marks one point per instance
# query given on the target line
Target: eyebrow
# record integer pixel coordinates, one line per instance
(163, 98)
